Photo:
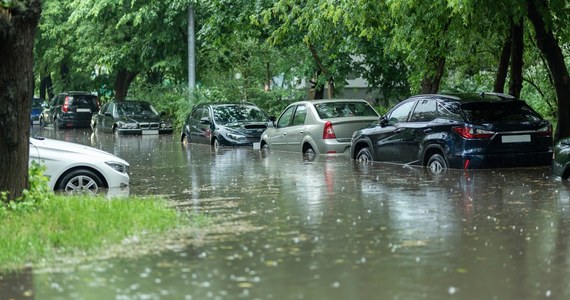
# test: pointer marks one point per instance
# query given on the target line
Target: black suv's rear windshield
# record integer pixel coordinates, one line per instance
(344, 109)
(83, 101)
(493, 112)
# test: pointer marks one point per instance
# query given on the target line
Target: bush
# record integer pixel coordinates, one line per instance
(36, 196)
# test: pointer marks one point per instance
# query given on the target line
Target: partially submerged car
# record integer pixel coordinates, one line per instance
(38, 105)
(224, 124)
(318, 126)
(130, 117)
(70, 110)
(461, 131)
(561, 158)
(75, 168)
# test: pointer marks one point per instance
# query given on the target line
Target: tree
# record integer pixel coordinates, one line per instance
(18, 24)
(541, 17)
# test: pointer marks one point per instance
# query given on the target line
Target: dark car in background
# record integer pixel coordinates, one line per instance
(561, 158)
(130, 117)
(463, 131)
(38, 105)
(70, 109)
(229, 124)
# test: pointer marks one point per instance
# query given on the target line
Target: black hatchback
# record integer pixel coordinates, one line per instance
(70, 109)
(463, 131)
(228, 124)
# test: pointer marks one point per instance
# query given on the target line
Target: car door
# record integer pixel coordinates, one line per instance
(50, 111)
(390, 134)
(108, 117)
(199, 125)
(278, 137)
(414, 132)
(295, 132)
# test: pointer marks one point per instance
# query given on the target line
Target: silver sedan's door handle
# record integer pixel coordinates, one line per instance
(300, 132)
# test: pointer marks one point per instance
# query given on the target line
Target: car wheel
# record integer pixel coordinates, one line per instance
(185, 140)
(264, 147)
(216, 145)
(364, 155)
(309, 153)
(436, 164)
(93, 126)
(80, 181)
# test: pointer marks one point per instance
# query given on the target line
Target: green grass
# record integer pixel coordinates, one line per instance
(67, 225)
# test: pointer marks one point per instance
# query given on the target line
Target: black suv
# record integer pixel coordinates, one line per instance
(463, 131)
(70, 109)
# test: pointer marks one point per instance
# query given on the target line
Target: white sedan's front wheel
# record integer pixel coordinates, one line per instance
(80, 181)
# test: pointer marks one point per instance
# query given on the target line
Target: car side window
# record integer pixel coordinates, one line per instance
(104, 108)
(449, 111)
(197, 114)
(300, 115)
(285, 118)
(425, 111)
(110, 108)
(401, 113)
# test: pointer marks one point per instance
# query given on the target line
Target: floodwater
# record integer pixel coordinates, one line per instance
(327, 229)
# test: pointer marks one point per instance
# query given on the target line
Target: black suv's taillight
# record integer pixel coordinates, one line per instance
(473, 133)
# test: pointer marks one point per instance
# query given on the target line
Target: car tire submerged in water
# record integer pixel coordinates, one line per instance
(185, 140)
(436, 164)
(215, 145)
(80, 181)
(364, 155)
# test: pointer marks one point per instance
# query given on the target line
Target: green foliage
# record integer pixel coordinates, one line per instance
(38, 194)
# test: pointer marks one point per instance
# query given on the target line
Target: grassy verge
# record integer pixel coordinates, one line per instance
(67, 225)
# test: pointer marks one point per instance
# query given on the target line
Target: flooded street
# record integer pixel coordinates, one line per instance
(328, 229)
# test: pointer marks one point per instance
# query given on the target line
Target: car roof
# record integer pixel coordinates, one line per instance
(329, 101)
(488, 97)
(218, 104)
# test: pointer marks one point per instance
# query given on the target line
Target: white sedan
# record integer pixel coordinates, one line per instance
(78, 168)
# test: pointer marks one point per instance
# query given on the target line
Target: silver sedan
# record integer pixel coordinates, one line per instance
(318, 126)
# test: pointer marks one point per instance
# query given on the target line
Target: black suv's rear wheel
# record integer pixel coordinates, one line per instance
(436, 164)
(364, 155)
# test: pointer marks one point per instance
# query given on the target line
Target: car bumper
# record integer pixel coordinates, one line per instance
(334, 147)
(144, 132)
(515, 160)
(67, 122)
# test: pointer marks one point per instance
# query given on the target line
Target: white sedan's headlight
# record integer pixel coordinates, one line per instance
(119, 167)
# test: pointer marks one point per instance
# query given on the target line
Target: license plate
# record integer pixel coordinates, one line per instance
(83, 110)
(150, 132)
(523, 138)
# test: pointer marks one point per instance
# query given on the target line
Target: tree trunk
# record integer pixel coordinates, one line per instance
(122, 83)
(431, 81)
(503, 68)
(17, 32)
(517, 49)
(549, 46)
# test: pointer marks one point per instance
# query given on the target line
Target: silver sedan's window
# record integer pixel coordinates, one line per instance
(300, 115)
(285, 118)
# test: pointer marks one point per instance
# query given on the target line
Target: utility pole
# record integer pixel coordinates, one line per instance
(191, 50)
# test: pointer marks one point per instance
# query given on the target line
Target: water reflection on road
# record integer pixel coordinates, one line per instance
(333, 229)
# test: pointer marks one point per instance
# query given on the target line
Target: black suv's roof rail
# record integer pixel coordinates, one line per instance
(501, 95)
